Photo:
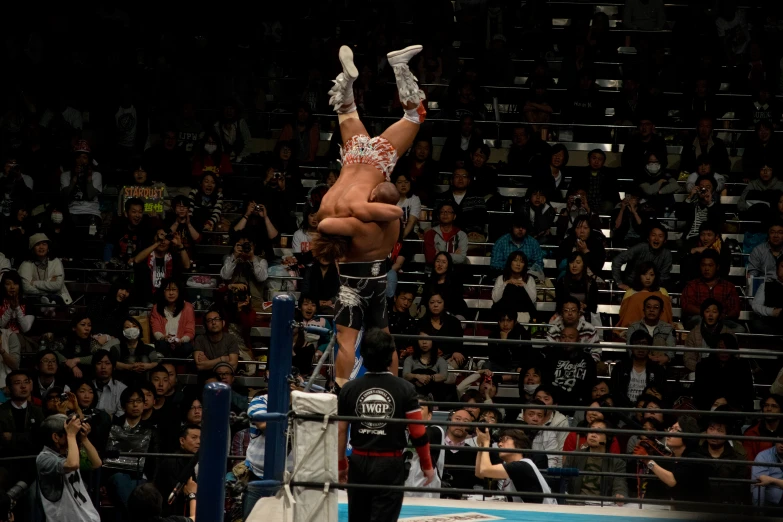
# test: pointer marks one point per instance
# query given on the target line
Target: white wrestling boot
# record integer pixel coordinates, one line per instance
(407, 85)
(342, 91)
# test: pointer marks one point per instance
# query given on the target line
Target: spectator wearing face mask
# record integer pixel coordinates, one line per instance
(59, 230)
(656, 183)
(210, 157)
(134, 357)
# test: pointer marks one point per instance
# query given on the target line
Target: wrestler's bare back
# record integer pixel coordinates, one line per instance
(352, 188)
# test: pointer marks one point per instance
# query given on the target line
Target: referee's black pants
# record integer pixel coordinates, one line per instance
(375, 505)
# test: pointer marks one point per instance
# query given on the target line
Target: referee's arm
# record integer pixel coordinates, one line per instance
(421, 442)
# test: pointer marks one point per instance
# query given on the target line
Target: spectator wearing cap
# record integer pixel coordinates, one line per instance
(717, 451)
(713, 372)
(216, 346)
(765, 427)
(224, 372)
(768, 304)
(710, 285)
(763, 260)
(469, 204)
(653, 250)
(517, 239)
(445, 236)
(706, 144)
(540, 213)
(43, 277)
(769, 490)
(636, 372)
(687, 481)
(81, 187)
(47, 377)
(639, 147)
(598, 181)
(167, 162)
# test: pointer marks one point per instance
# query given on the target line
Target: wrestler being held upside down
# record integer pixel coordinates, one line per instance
(359, 217)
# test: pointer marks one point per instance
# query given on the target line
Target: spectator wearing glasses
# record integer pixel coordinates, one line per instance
(445, 236)
(216, 346)
(47, 376)
(246, 272)
(468, 203)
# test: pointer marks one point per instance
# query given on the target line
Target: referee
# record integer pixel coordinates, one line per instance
(377, 446)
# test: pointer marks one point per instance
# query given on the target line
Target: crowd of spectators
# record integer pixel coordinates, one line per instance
(160, 167)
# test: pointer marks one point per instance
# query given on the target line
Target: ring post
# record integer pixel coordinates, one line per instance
(214, 454)
(279, 364)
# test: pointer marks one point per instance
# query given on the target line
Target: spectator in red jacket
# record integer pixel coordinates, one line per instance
(210, 157)
(173, 321)
(710, 284)
(766, 427)
(575, 440)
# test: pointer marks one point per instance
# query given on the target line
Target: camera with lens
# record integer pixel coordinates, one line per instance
(577, 201)
(64, 397)
(246, 248)
(169, 236)
(703, 190)
(277, 175)
(259, 208)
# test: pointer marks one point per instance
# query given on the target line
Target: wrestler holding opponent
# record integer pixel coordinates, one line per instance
(359, 217)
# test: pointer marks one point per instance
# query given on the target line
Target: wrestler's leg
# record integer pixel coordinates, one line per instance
(350, 126)
(402, 133)
(346, 354)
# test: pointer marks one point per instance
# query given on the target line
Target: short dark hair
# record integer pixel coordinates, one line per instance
(19, 371)
(216, 310)
(145, 501)
(520, 219)
(186, 428)
(550, 390)
(596, 151)
(653, 298)
(377, 350)
(180, 199)
(159, 369)
(41, 354)
(710, 301)
(403, 289)
(483, 147)
(640, 337)
(518, 437)
(133, 201)
(709, 225)
(709, 178)
(710, 254)
(689, 425)
(128, 392)
(146, 385)
(569, 299)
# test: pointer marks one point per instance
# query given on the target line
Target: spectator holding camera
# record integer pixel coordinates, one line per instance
(701, 206)
(173, 320)
(255, 222)
(81, 187)
(246, 272)
(63, 493)
(181, 225)
(164, 258)
(577, 207)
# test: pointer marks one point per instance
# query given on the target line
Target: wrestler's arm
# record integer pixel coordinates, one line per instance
(343, 226)
(370, 211)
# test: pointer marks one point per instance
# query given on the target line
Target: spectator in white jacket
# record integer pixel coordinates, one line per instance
(246, 272)
(43, 277)
(446, 237)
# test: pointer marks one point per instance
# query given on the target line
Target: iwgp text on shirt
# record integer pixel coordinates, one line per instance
(567, 373)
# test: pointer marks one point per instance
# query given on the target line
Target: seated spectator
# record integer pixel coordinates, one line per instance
(605, 486)
(484, 176)
(43, 276)
(529, 381)
(469, 205)
(427, 371)
(224, 372)
(166, 411)
(322, 283)
(702, 103)
(257, 223)
(710, 284)
(279, 201)
(765, 427)
(526, 148)
(134, 357)
(662, 333)
(458, 435)
(706, 333)
(245, 272)
(761, 148)
(550, 177)
(633, 374)
(518, 240)
(180, 225)
(81, 188)
(171, 469)
(650, 421)
(46, 374)
(541, 214)
(630, 219)
(109, 389)
(401, 321)
(713, 372)
(206, 204)
(570, 315)
(87, 401)
(647, 282)
(507, 357)
(437, 320)
(653, 250)
(769, 477)
(165, 258)
(709, 240)
(128, 233)
(597, 181)
(763, 259)
(704, 168)
(192, 411)
(420, 169)
(16, 229)
(61, 232)
(656, 183)
(640, 146)
(216, 346)
(444, 280)
(173, 321)
(573, 371)
(303, 237)
(169, 163)
(575, 441)
(13, 312)
(585, 238)
(760, 194)
(579, 283)
(210, 157)
(108, 313)
(515, 289)
(768, 303)
(456, 150)
(552, 418)
(410, 205)
(77, 348)
(145, 502)
(515, 473)
(141, 186)
(705, 144)
(533, 414)
(445, 237)
(304, 132)
(234, 132)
